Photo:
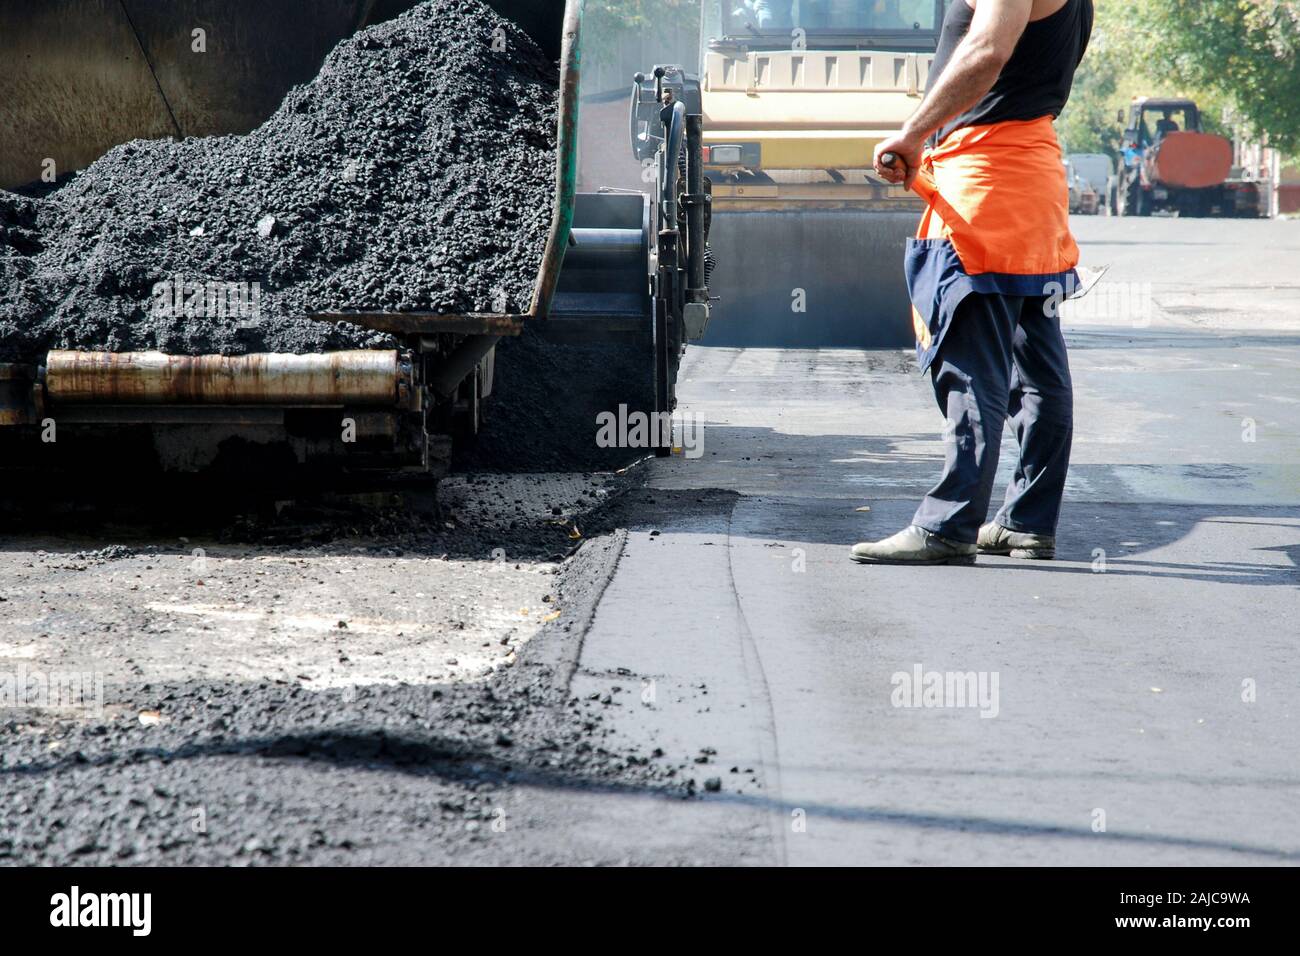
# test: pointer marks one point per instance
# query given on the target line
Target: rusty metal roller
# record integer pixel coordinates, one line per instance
(360, 377)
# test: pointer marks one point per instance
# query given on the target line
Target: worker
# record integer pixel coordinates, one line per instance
(1165, 126)
(766, 14)
(993, 253)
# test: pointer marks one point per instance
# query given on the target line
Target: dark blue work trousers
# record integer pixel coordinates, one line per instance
(1003, 356)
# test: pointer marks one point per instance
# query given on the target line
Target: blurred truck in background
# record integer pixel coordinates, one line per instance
(1169, 164)
(1093, 172)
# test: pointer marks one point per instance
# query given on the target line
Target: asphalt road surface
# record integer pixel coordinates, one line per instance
(1133, 702)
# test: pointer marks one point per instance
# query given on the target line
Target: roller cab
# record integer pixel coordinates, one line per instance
(809, 241)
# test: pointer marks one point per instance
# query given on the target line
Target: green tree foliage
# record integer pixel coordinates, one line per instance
(606, 20)
(610, 16)
(1236, 58)
(1248, 51)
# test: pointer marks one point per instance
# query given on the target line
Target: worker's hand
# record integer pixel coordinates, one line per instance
(908, 149)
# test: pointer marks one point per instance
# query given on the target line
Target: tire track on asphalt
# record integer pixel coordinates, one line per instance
(760, 689)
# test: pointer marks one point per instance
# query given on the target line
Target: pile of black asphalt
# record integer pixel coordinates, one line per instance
(415, 172)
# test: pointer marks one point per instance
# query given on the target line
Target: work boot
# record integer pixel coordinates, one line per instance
(914, 545)
(995, 539)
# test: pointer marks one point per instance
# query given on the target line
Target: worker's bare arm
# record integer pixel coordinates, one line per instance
(996, 28)
(994, 31)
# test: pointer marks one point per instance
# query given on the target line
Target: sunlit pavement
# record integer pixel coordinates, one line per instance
(1132, 702)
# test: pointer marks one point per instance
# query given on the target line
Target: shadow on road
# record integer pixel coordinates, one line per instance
(805, 483)
(992, 826)
(453, 760)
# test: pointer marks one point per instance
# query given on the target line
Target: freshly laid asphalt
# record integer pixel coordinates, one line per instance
(1145, 707)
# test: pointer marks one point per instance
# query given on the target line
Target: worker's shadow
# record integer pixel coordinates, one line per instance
(1129, 544)
(825, 480)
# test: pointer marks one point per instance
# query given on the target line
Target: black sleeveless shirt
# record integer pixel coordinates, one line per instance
(1036, 80)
